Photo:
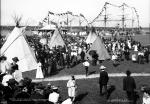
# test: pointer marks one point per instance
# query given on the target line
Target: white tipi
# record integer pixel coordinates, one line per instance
(17, 46)
(56, 40)
(91, 37)
(100, 49)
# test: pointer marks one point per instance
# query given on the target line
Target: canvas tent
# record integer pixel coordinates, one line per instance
(56, 40)
(17, 46)
(91, 37)
(100, 49)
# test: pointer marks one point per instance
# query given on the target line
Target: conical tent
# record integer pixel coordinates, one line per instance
(17, 46)
(91, 37)
(100, 49)
(56, 40)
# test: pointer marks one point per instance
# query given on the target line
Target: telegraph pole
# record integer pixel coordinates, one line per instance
(105, 16)
(123, 16)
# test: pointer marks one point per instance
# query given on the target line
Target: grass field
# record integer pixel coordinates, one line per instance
(124, 65)
(88, 91)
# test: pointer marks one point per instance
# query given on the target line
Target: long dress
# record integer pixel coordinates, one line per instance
(39, 73)
(71, 84)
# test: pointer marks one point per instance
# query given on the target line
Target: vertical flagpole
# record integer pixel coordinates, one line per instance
(48, 18)
(105, 16)
(123, 17)
(67, 19)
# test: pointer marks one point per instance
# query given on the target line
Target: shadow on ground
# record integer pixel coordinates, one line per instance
(80, 97)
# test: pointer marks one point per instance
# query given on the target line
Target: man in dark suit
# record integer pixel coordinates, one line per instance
(82, 54)
(103, 79)
(129, 85)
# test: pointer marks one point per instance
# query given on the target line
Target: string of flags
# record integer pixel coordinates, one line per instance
(62, 14)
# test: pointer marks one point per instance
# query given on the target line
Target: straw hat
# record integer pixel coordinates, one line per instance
(102, 67)
(54, 87)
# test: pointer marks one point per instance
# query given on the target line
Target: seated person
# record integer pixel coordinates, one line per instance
(7, 77)
(47, 90)
(146, 96)
(23, 94)
(17, 74)
(54, 96)
(38, 92)
(4, 65)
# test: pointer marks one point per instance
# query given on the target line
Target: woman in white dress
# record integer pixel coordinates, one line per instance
(71, 84)
(39, 73)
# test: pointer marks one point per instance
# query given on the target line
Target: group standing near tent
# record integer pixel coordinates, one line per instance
(59, 53)
(63, 51)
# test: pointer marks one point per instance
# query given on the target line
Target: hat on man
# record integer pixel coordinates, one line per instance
(102, 67)
(15, 59)
(49, 84)
(54, 87)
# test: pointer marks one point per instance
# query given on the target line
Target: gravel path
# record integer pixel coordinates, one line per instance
(67, 77)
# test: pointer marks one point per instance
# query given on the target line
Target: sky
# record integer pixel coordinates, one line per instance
(34, 11)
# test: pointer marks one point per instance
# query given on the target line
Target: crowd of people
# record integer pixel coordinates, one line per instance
(15, 88)
(76, 48)
(13, 85)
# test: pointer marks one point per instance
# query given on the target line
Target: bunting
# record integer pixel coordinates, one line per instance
(51, 13)
(81, 15)
(68, 13)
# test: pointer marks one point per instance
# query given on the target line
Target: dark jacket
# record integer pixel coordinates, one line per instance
(129, 84)
(103, 79)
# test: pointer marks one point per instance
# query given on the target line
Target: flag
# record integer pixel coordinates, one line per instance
(81, 15)
(65, 22)
(54, 23)
(44, 20)
(69, 12)
(76, 15)
(51, 13)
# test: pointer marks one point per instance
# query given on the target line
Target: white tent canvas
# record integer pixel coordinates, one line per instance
(91, 37)
(100, 49)
(17, 46)
(56, 40)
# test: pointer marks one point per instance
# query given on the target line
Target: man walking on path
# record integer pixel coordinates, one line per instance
(103, 79)
(129, 85)
(86, 65)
